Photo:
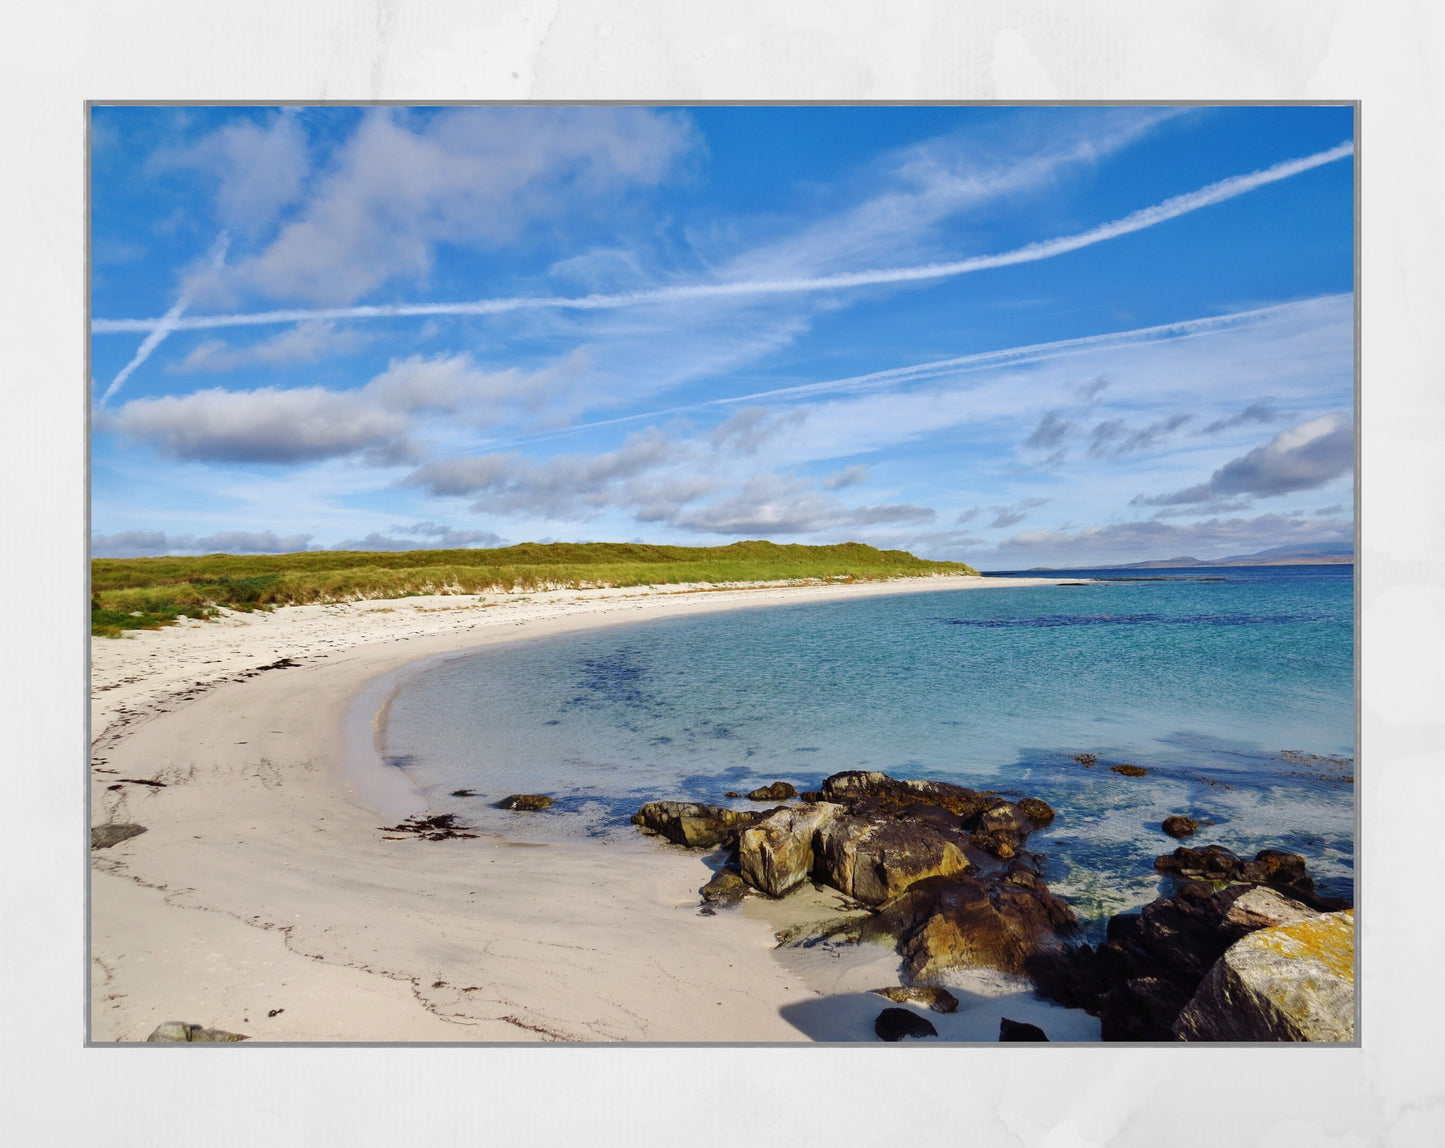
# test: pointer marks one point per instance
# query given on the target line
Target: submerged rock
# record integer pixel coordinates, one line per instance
(1180, 826)
(1129, 770)
(778, 791)
(1290, 982)
(525, 801)
(179, 1031)
(937, 998)
(1013, 1030)
(893, 1024)
(104, 836)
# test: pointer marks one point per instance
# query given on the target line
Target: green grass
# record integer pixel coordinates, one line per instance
(147, 593)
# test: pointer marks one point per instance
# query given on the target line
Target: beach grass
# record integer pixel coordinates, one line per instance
(147, 593)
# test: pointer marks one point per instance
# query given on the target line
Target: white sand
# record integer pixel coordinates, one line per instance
(264, 884)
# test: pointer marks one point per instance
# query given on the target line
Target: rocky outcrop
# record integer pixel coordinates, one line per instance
(104, 836)
(1180, 826)
(1009, 1030)
(525, 801)
(179, 1031)
(995, 922)
(694, 825)
(1152, 963)
(778, 791)
(1129, 770)
(1272, 867)
(1293, 981)
(777, 854)
(934, 997)
(894, 1024)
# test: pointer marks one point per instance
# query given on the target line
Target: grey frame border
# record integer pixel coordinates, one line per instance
(88, 1042)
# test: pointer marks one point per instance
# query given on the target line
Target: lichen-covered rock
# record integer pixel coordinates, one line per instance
(1292, 982)
(937, 998)
(1180, 826)
(777, 854)
(525, 801)
(178, 1031)
(894, 1024)
(874, 861)
(1001, 843)
(778, 791)
(1041, 813)
(944, 923)
(104, 836)
(694, 825)
(726, 888)
(1019, 1030)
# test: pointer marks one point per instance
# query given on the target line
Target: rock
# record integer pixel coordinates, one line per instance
(1179, 826)
(1001, 844)
(874, 861)
(1152, 963)
(894, 1024)
(1129, 770)
(936, 998)
(726, 888)
(778, 791)
(179, 1031)
(872, 793)
(839, 930)
(525, 801)
(1210, 862)
(1019, 1030)
(464, 793)
(946, 923)
(104, 836)
(696, 826)
(1087, 760)
(1291, 982)
(1039, 812)
(776, 855)
(1004, 817)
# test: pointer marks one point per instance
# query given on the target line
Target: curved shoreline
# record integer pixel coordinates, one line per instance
(262, 885)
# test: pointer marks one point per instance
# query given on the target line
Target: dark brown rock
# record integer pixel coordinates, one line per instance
(1004, 817)
(726, 888)
(525, 801)
(895, 1024)
(971, 922)
(1019, 1030)
(1180, 826)
(104, 836)
(694, 825)
(1129, 770)
(937, 998)
(1001, 844)
(1039, 812)
(874, 861)
(778, 791)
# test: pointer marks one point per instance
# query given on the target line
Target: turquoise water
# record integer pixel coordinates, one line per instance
(1228, 685)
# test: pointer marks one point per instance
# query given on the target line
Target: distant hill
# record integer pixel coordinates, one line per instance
(1316, 554)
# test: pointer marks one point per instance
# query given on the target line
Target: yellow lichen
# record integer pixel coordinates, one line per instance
(1330, 940)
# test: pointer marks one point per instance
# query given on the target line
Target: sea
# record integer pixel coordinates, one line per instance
(1232, 687)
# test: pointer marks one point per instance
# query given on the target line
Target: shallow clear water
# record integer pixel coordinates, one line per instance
(1217, 681)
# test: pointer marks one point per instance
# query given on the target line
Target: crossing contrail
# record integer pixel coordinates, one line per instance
(1147, 217)
(167, 322)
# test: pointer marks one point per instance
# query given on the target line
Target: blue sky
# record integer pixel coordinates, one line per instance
(1010, 336)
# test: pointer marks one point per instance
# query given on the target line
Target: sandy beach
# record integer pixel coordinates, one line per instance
(263, 898)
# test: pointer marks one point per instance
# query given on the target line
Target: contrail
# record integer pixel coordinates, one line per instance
(167, 322)
(1031, 353)
(1137, 221)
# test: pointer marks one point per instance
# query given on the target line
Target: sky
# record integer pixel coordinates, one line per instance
(1014, 337)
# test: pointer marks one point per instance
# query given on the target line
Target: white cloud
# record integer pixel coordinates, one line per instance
(1301, 458)
(304, 343)
(143, 543)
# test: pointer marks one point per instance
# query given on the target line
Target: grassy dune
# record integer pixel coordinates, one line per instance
(146, 593)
